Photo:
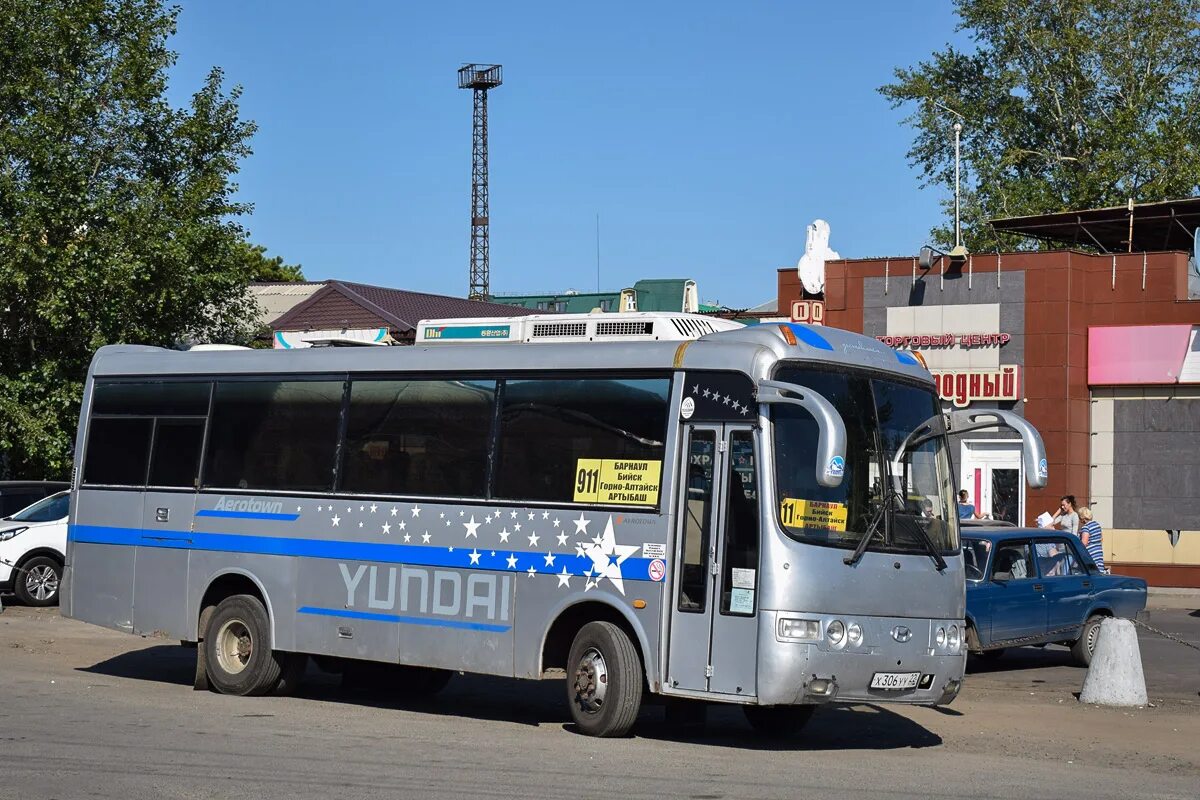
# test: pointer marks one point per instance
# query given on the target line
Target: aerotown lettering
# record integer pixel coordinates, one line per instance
(248, 504)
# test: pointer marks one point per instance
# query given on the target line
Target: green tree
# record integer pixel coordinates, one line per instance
(263, 268)
(1068, 104)
(117, 212)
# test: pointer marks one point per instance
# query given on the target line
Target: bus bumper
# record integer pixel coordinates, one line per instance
(898, 651)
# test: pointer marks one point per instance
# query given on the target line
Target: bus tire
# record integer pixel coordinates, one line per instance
(237, 648)
(1083, 647)
(38, 580)
(604, 680)
(778, 722)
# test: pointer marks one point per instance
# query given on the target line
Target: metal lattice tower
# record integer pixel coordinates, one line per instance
(479, 78)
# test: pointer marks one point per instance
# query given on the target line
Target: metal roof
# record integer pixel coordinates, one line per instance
(1168, 225)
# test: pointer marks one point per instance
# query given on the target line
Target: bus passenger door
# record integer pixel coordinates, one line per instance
(714, 630)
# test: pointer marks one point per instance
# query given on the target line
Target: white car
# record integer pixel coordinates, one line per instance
(33, 546)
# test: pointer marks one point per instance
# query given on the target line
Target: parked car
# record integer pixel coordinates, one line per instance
(15, 495)
(33, 546)
(1029, 586)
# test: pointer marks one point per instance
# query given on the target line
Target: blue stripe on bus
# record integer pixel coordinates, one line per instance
(208, 512)
(424, 555)
(437, 623)
(809, 336)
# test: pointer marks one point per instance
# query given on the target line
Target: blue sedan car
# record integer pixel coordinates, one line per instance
(1035, 586)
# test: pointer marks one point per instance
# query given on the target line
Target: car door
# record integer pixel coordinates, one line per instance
(1067, 586)
(1018, 602)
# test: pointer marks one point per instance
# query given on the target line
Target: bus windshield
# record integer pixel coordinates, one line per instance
(879, 414)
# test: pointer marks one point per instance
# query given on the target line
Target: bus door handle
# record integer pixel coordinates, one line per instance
(162, 514)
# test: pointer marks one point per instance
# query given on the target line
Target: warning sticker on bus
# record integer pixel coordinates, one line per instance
(617, 481)
(813, 514)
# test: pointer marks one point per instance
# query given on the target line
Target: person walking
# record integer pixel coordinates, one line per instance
(966, 510)
(1066, 518)
(1092, 535)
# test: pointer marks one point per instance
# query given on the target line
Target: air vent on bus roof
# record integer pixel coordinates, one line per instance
(639, 328)
(693, 328)
(543, 329)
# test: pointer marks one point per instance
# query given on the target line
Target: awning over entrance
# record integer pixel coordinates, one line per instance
(1168, 225)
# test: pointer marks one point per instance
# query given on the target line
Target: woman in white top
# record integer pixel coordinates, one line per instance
(1067, 518)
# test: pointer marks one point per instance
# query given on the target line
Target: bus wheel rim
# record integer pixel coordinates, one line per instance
(235, 646)
(41, 582)
(591, 681)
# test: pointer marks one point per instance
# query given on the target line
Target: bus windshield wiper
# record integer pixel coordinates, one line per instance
(938, 561)
(865, 541)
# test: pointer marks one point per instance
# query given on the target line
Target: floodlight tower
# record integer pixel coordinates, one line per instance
(479, 78)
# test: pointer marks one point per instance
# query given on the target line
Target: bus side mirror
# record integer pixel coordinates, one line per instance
(831, 439)
(1033, 450)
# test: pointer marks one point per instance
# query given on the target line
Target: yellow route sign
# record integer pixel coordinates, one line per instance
(617, 481)
(813, 514)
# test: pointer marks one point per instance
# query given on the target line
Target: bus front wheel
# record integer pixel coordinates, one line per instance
(778, 722)
(237, 648)
(604, 680)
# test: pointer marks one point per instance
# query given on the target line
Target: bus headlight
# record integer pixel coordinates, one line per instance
(954, 638)
(798, 629)
(836, 631)
(854, 633)
(940, 637)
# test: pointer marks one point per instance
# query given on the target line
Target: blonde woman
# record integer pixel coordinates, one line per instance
(1091, 534)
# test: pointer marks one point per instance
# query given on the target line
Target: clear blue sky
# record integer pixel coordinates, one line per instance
(706, 136)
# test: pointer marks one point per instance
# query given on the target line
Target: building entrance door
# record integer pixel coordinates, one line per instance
(992, 474)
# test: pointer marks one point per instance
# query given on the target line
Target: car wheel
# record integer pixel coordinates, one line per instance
(778, 722)
(1083, 647)
(604, 680)
(38, 581)
(237, 647)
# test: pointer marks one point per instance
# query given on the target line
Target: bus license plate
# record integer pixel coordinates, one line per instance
(895, 680)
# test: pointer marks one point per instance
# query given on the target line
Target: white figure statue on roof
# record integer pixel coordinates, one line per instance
(816, 253)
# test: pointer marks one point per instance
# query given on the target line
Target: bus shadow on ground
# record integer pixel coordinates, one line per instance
(1021, 658)
(537, 703)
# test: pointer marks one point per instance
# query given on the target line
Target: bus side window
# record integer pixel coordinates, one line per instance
(739, 570)
(697, 521)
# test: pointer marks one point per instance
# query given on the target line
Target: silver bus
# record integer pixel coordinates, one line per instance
(762, 516)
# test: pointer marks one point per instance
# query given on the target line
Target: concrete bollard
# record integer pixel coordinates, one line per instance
(1115, 676)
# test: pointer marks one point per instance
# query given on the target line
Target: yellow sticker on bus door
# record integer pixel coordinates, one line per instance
(813, 514)
(617, 481)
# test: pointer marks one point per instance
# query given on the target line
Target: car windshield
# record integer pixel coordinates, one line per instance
(975, 556)
(879, 415)
(47, 509)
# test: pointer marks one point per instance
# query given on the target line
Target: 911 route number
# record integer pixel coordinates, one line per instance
(895, 680)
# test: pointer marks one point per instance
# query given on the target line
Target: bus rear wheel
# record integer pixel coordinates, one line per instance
(604, 680)
(237, 648)
(778, 722)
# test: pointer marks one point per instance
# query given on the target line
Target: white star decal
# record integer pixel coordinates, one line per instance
(360, 524)
(533, 539)
(336, 519)
(449, 549)
(562, 539)
(727, 400)
(549, 557)
(403, 524)
(488, 518)
(297, 509)
(531, 572)
(462, 513)
(545, 515)
(564, 578)
(320, 508)
(407, 537)
(474, 554)
(425, 537)
(512, 514)
(442, 515)
(395, 511)
(607, 557)
(579, 551)
(706, 393)
(493, 554)
(504, 534)
(374, 508)
(362, 508)
(512, 561)
(517, 527)
(349, 510)
(416, 511)
(387, 528)
(557, 522)
(471, 527)
(696, 389)
(581, 524)
(447, 523)
(530, 515)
